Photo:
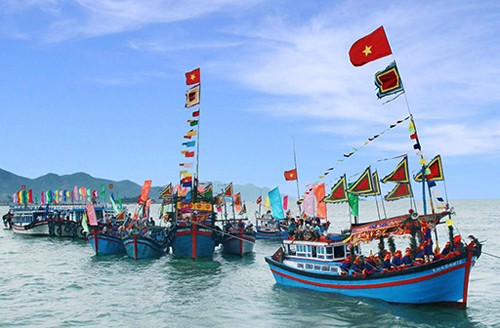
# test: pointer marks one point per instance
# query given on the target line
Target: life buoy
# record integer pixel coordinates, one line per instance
(414, 215)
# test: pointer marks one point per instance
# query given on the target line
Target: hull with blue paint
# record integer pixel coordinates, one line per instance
(144, 247)
(105, 244)
(278, 235)
(240, 244)
(192, 241)
(444, 281)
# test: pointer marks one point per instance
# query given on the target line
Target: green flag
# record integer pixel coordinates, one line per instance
(85, 226)
(103, 192)
(353, 202)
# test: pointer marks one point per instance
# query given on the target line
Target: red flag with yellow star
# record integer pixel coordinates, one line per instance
(193, 77)
(291, 175)
(369, 48)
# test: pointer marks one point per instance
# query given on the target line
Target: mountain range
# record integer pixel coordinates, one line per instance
(125, 189)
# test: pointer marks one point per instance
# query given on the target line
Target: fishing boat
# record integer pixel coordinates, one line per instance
(106, 243)
(141, 238)
(148, 243)
(318, 266)
(65, 220)
(195, 234)
(338, 264)
(266, 228)
(239, 241)
(32, 220)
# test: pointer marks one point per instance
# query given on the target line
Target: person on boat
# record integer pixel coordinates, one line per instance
(370, 265)
(386, 264)
(151, 222)
(355, 266)
(419, 256)
(315, 230)
(241, 225)
(292, 228)
(446, 250)
(427, 240)
(268, 216)
(437, 254)
(406, 260)
(397, 259)
(346, 265)
(301, 229)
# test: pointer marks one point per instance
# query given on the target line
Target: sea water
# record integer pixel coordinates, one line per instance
(54, 282)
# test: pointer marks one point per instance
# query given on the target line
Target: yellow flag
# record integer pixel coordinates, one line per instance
(267, 203)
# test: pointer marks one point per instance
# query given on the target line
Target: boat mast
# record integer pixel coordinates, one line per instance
(296, 170)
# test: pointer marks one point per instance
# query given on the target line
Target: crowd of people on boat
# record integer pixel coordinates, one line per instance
(235, 227)
(310, 229)
(385, 261)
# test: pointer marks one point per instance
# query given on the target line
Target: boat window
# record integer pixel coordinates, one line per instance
(339, 252)
(329, 250)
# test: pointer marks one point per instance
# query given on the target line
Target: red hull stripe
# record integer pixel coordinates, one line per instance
(183, 233)
(381, 285)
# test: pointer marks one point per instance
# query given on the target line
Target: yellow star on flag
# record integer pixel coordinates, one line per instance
(193, 77)
(367, 51)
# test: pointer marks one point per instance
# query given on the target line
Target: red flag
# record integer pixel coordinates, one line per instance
(189, 154)
(145, 191)
(193, 77)
(196, 113)
(369, 48)
(259, 200)
(229, 190)
(110, 186)
(291, 175)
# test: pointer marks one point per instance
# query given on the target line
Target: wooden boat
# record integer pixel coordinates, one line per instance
(238, 241)
(424, 275)
(270, 229)
(317, 266)
(151, 242)
(30, 221)
(106, 242)
(195, 236)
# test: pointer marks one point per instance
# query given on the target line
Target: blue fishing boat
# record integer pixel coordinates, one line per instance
(151, 242)
(106, 243)
(318, 266)
(195, 238)
(238, 240)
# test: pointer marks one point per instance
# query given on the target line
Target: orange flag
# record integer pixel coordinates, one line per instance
(145, 191)
(319, 192)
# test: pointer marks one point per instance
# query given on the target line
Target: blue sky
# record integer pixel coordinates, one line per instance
(98, 87)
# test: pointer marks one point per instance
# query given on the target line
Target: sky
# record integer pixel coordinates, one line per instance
(99, 87)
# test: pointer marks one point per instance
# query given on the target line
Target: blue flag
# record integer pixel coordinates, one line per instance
(276, 205)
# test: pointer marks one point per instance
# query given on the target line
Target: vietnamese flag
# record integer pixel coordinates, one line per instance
(369, 48)
(291, 175)
(259, 200)
(193, 77)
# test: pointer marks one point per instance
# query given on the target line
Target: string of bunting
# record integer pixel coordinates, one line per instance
(354, 150)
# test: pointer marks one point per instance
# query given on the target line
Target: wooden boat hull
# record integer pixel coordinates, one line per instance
(444, 281)
(263, 234)
(65, 228)
(143, 247)
(194, 242)
(104, 244)
(240, 245)
(36, 228)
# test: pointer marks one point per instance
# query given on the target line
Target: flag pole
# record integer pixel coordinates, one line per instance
(417, 142)
(296, 170)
